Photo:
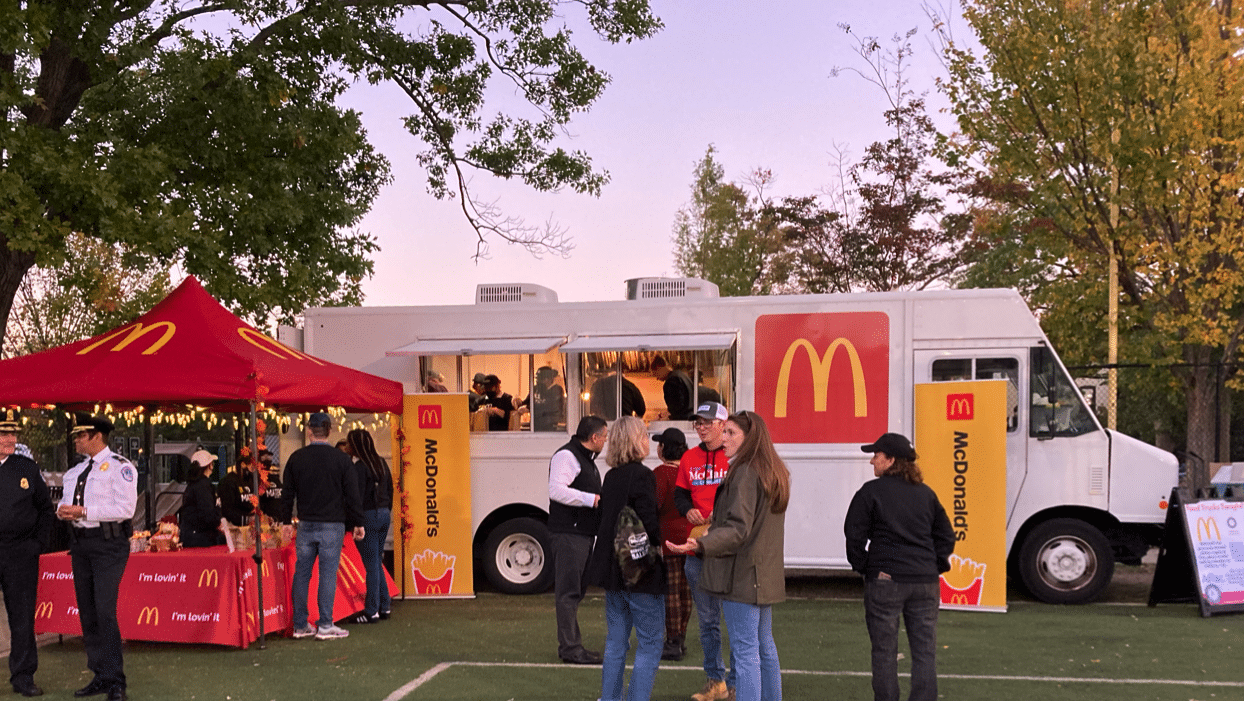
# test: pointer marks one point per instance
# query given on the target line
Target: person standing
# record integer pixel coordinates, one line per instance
(199, 516)
(676, 388)
(376, 488)
(672, 444)
(320, 481)
(101, 493)
(574, 495)
(642, 605)
(700, 472)
(900, 539)
(498, 404)
(237, 493)
(26, 516)
(742, 552)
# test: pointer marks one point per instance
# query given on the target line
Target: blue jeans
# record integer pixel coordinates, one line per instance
(646, 613)
(323, 540)
(708, 610)
(884, 600)
(753, 654)
(371, 547)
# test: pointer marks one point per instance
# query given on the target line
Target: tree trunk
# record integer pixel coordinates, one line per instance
(1203, 393)
(13, 268)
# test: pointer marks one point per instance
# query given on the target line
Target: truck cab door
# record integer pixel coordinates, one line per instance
(961, 365)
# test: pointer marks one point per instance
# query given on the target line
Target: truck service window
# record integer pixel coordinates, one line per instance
(535, 385)
(656, 385)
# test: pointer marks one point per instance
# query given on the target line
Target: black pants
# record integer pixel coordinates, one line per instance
(19, 580)
(98, 564)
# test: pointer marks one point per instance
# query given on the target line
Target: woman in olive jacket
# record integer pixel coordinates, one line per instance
(629, 483)
(742, 553)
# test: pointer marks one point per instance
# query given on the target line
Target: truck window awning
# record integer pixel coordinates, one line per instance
(478, 346)
(669, 341)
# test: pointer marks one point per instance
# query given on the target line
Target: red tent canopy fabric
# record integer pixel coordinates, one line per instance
(190, 350)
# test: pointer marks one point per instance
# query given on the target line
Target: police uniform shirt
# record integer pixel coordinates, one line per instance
(111, 489)
(25, 505)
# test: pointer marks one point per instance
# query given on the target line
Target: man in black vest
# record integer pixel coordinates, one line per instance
(574, 495)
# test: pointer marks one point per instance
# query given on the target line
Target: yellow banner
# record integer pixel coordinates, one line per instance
(432, 520)
(961, 441)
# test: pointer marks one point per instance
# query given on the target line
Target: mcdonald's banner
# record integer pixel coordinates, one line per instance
(432, 524)
(203, 595)
(823, 378)
(1215, 529)
(188, 349)
(961, 440)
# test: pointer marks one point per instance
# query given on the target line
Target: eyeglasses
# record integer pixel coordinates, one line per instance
(700, 425)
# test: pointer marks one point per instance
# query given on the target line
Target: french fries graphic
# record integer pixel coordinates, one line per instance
(962, 584)
(433, 571)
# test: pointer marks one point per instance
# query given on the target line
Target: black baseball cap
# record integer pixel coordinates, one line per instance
(893, 444)
(671, 436)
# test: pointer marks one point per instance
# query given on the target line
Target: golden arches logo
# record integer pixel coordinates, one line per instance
(264, 570)
(1205, 524)
(273, 346)
(820, 366)
(958, 600)
(136, 331)
(209, 578)
(350, 572)
(150, 615)
(44, 610)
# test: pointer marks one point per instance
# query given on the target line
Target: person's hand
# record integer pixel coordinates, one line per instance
(596, 502)
(69, 512)
(359, 533)
(687, 547)
(695, 518)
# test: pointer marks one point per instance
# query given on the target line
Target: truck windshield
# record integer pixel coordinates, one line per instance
(1057, 408)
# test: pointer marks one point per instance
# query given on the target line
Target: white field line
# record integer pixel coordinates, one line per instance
(428, 675)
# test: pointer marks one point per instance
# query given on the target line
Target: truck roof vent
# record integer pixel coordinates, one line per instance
(669, 288)
(510, 293)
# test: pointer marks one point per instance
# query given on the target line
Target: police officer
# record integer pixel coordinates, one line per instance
(100, 495)
(25, 526)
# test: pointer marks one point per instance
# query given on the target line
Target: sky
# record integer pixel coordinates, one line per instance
(752, 78)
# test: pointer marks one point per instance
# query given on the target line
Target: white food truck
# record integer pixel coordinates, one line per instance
(827, 373)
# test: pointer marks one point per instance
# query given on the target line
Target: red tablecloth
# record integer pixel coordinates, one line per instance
(202, 595)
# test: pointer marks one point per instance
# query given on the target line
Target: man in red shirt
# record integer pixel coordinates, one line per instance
(699, 473)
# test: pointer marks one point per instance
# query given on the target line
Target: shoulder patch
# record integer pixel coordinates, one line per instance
(128, 473)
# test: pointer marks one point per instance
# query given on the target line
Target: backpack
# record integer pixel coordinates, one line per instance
(635, 554)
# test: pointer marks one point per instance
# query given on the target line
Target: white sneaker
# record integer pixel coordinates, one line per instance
(331, 633)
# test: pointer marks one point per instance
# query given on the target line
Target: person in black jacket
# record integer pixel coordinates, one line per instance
(900, 539)
(641, 606)
(322, 482)
(376, 488)
(26, 517)
(199, 516)
(237, 493)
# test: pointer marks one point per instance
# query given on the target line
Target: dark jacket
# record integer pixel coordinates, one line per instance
(583, 520)
(630, 484)
(677, 391)
(375, 493)
(323, 482)
(26, 511)
(743, 548)
(911, 537)
(235, 497)
(199, 516)
(500, 401)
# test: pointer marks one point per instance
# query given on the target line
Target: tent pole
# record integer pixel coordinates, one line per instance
(149, 454)
(254, 443)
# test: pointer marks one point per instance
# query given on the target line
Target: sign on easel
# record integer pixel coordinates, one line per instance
(1203, 554)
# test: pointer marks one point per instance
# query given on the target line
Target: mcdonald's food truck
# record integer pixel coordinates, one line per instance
(827, 373)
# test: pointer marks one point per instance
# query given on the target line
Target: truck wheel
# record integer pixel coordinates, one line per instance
(517, 557)
(1066, 561)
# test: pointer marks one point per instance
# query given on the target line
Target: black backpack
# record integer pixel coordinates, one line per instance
(636, 556)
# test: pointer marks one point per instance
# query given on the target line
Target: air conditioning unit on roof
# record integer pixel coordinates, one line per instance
(669, 288)
(511, 293)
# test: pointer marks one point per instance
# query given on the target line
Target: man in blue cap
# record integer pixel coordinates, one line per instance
(101, 493)
(321, 480)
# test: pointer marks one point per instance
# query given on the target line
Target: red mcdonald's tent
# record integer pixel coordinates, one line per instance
(190, 350)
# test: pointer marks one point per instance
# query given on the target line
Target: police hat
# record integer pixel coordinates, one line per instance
(86, 422)
(10, 420)
(893, 444)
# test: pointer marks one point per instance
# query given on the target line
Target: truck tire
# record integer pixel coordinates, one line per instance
(517, 558)
(1066, 561)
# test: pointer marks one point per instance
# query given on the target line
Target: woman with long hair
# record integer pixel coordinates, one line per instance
(376, 488)
(900, 539)
(742, 553)
(642, 605)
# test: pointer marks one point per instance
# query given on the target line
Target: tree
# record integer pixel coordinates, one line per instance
(1072, 107)
(208, 134)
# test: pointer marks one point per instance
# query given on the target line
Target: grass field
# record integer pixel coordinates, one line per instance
(499, 647)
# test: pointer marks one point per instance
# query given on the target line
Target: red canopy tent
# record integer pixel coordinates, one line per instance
(191, 350)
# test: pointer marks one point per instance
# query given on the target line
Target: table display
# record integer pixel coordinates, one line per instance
(199, 595)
